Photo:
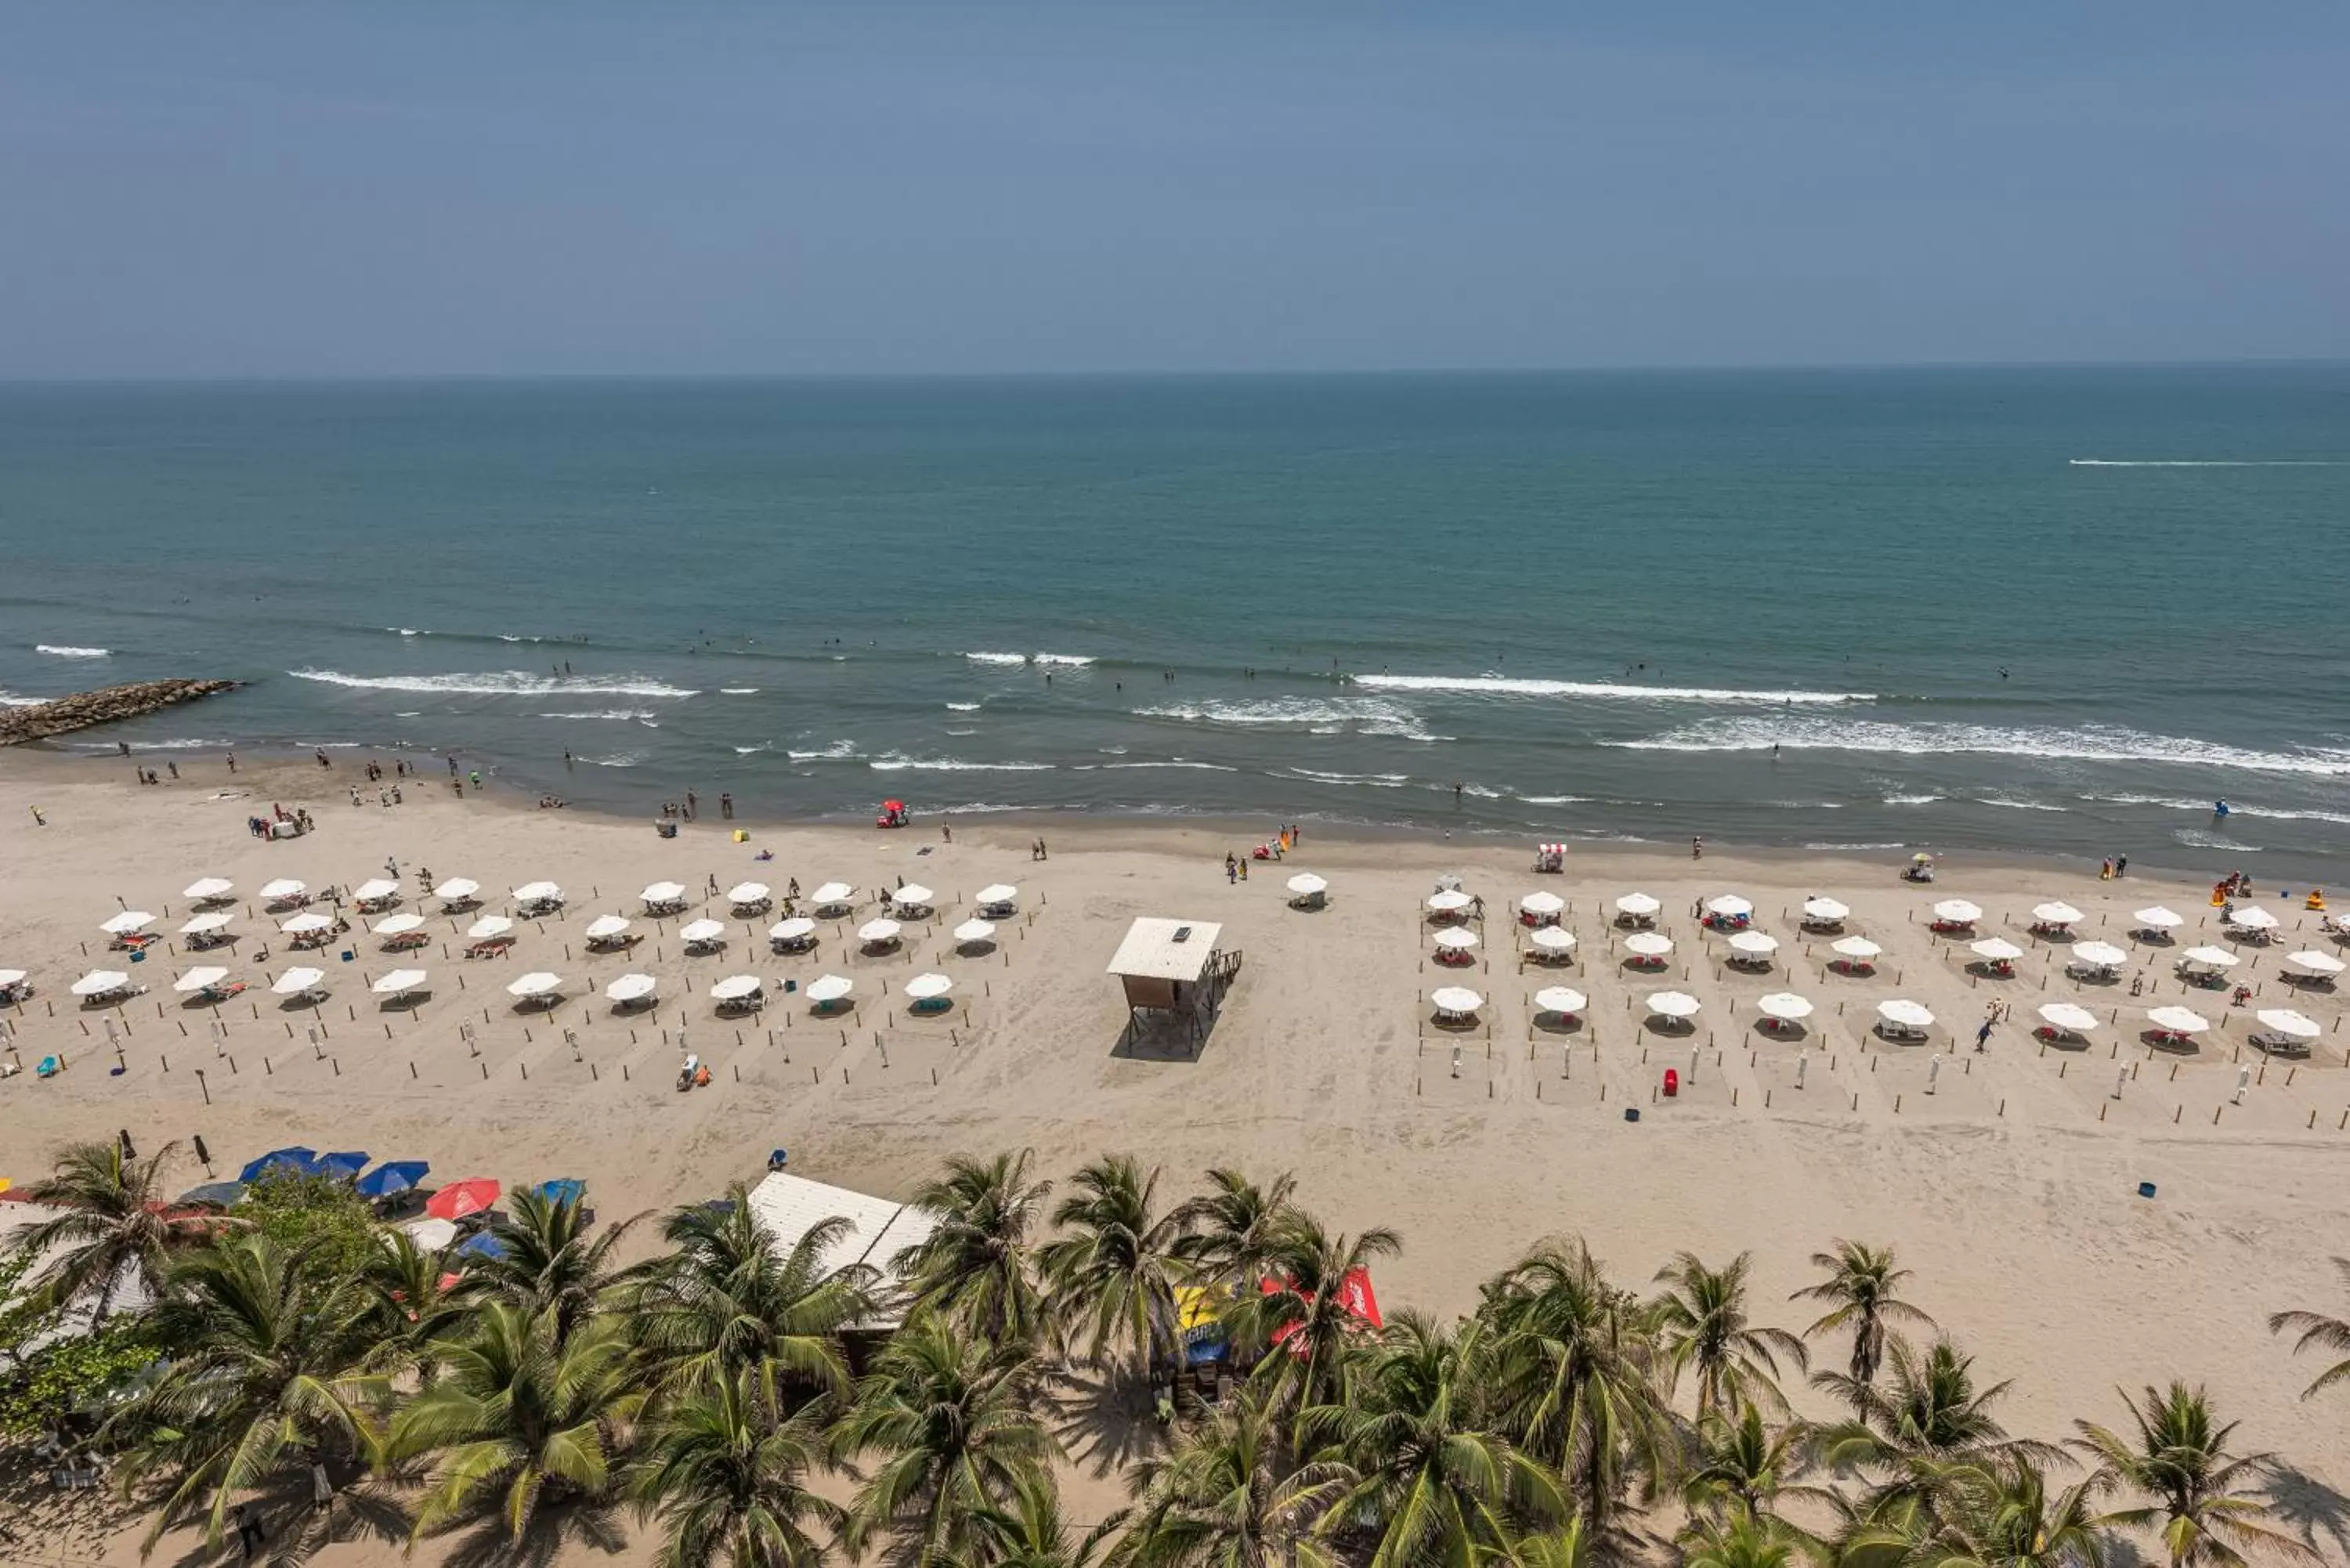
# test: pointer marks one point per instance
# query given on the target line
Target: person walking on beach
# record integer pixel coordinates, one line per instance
(231, 762)
(1231, 868)
(1697, 848)
(2121, 866)
(38, 820)
(726, 806)
(692, 800)
(1983, 1035)
(175, 771)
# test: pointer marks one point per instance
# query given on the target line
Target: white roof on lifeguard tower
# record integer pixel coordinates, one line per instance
(1150, 950)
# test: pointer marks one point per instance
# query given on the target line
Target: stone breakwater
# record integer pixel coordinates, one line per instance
(79, 712)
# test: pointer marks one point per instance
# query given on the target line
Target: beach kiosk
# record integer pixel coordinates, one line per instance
(1173, 968)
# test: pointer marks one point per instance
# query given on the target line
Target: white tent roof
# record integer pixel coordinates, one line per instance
(397, 924)
(2209, 957)
(1560, 999)
(700, 932)
(2070, 1016)
(398, 982)
(2253, 918)
(2312, 961)
(284, 887)
(835, 893)
(1754, 942)
(431, 1234)
(539, 893)
(1000, 893)
(100, 982)
(1855, 947)
(882, 930)
(1785, 1004)
(1729, 905)
(1637, 904)
(127, 921)
(1958, 911)
(1673, 1004)
(1903, 1012)
(457, 888)
(735, 987)
(2154, 916)
(1649, 944)
(1999, 950)
(1456, 940)
(974, 931)
(2177, 1020)
(830, 988)
(606, 926)
(204, 889)
(375, 887)
(309, 920)
(1542, 903)
(212, 922)
(2104, 955)
(490, 926)
(2055, 913)
(1824, 909)
(11, 976)
(298, 980)
(747, 892)
(2286, 1021)
(537, 982)
(1551, 938)
(1455, 999)
(663, 892)
(1444, 901)
(923, 987)
(631, 988)
(911, 894)
(198, 978)
(1303, 883)
(793, 929)
(1150, 951)
(880, 1231)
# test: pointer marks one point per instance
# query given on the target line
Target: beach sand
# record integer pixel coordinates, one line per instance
(2010, 1185)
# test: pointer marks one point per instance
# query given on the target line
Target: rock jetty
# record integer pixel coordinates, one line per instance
(18, 725)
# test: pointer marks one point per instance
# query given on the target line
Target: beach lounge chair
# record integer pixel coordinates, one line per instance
(2276, 1043)
(489, 947)
(223, 991)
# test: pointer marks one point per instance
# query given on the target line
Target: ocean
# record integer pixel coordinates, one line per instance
(2046, 611)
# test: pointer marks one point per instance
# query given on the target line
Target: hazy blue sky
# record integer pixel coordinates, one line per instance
(418, 188)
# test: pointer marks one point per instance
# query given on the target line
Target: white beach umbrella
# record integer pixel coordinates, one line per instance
(2309, 960)
(1958, 912)
(205, 924)
(2100, 955)
(2253, 918)
(1635, 904)
(1826, 911)
(375, 887)
(658, 893)
(1729, 906)
(1450, 900)
(2208, 958)
(490, 926)
(536, 983)
(397, 924)
(101, 982)
(128, 921)
(432, 1235)
(198, 978)
(912, 895)
(2177, 1020)
(795, 929)
(1784, 1005)
(457, 890)
(974, 931)
(1459, 941)
(1757, 944)
(748, 893)
(736, 988)
(207, 889)
(1305, 885)
(1560, 999)
(2286, 1021)
(1649, 944)
(830, 988)
(1553, 940)
(1005, 892)
(2055, 913)
(302, 925)
(1906, 1014)
(1542, 904)
(2069, 1016)
(604, 927)
(1997, 950)
(835, 893)
(2154, 917)
(881, 930)
(631, 988)
(1455, 999)
(296, 981)
(284, 887)
(1854, 948)
(924, 987)
(11, 976)
(538, 893)
(398, 982)
(1673, 1004)
(696, 933)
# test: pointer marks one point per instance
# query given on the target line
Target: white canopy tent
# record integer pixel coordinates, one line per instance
(2154, 917)
(658, 897)
(208, 890)
(1552, 940)
(2178, 1021)
(2096, 955)
(538, 896)
(702, 933)
(2056, 912)
(1542, 904)
(283, 889)
(2310, 962)
(1824, 912)
(205, 924)
(304, 924)
(535, 986)
(912, 895)
(300, 980)
(1996, 949)
(750, 895)
(2070, 1017)
(1649, 944)
(1675, 1005)
(2286, 1021)
(1560, 999)
(1903, 1013)
(798, 929)
(203, 978)
(604, 927)
(400, 982)
(972, 932)
(101, 983)
(397, 924)
(1860, 949)
(1449, 901)
(2208, 958)
(128, 921)
(376, 891)
(1455, 940)
(1785, 1006)
(2253, 918)
(830, 988)
(1455, 1000)
(832, 895)
(879, 933)
(457, 890)
(928, 987)
(1956, 912)
(1729, 907)
(1640, 906)
(489, 928)
(1003, 896)
(1754, 944)
(630, 988)
(736, 988)
(878, 1233)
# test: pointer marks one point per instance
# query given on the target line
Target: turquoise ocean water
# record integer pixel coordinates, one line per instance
(2052, 610)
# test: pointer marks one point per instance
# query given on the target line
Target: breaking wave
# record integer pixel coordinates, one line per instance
(1064, 661)
(2087, 744)
(601, 714)
(1511, 686)
(502, 684)
(60, 650)
(2172, 803)
(892, 761)
(1317, 715)
(1375, 780)
(839, 752)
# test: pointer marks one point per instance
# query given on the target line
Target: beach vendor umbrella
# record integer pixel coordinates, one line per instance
(630, 988)
(912, 895)
(830, 988)
(215, 1194)
(2253, 918)
(300, 1161)
(397, 924)
(1649, 944)
(1637, 904)
(298, 980)
(562, 1189)
(538, 893)
(1785, 1006)
(874, 932)
(2154, 917)
(736, 988)
(2286, 1021)
(695, 933)
(391, 1177)
(1854, 948)
(201, 978)
(375, 887)
(432, 1235)
(457, 890)
(208, 890)
(398, 982)
(490, 926)
(799, 927)
(1756, 944)
(925, 987)
(1553, 940)
(2178, 1021)
(1006, 893)
(1906, 1014)
(2309, 960)
(1826, 911)
(659, 893)
(1542, 904)
(2055, 913)
(1456, 1001)
(604, 927)
(482, 1244)
(1560, 999)
(342, 1165)
(1449, 901)
(284, 887)
(973, 931)
(205, 924)
(1673, 1004)
(834, 893)
(2208, 958)
(2102, 955)
(302, 925)
(1458, 941)
(101, 982)
(1729, 906)
(128, 921)
(1997, 950)
(1305, 885)
(536, 983)
(1958, 912)
(460, 1199)
(2070, 1016)
(747, 893)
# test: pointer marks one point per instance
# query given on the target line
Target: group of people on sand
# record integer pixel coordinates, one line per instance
(385, 797)
(264, 826)
(2115, 866)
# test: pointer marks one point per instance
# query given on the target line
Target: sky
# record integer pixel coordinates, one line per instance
(681, 188)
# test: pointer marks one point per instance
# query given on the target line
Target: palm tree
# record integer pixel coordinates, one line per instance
(1928, 1409)
(118, 1231)
(1989, 1514)
(1860, 1294)
(1742, 1541)
(1570, 1543)
(1572, 1382)
(1028, 1531)
(1225, 1499)
(263, 1387)
(1229, 1229)
(1414, 1466)
(952, 1419)
(2177, 1459)
(407, 1313)
(727, 1482)
(2329, 1334)
(523, 1415)
(1115, 1275)
(545, 1260)
(1304, 1308)
(1704, 1324)
(1746, 1464)
(724, 1303)
(974, 1264)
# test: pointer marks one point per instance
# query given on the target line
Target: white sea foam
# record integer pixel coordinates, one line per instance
(738, 690)
(2270, 814)
(839, 752)
(404, 630)
(1375, 781)
(2013, 805)
(408, 714)
(182, 745)
(893, 762)
(618, 760)
(1111, 767)
(1555, 799)
(1069, 661)
(502, 684)
(61, 650)
(962, 732)
(2202, 839)
(750, 751)
(1512, 686)
(1911, 799)
(2204, 462)
(11, 699)
(976, 806)
(963, 707)
(2090, 743)
(1316, 715)
(601, 714)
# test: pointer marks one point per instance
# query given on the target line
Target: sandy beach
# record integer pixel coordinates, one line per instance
(2008, 1179)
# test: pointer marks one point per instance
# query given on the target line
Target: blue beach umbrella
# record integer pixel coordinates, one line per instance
(392, 1175)
(300, 1161)
(482, 1244)
(343, 1165)
(562, 1189)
